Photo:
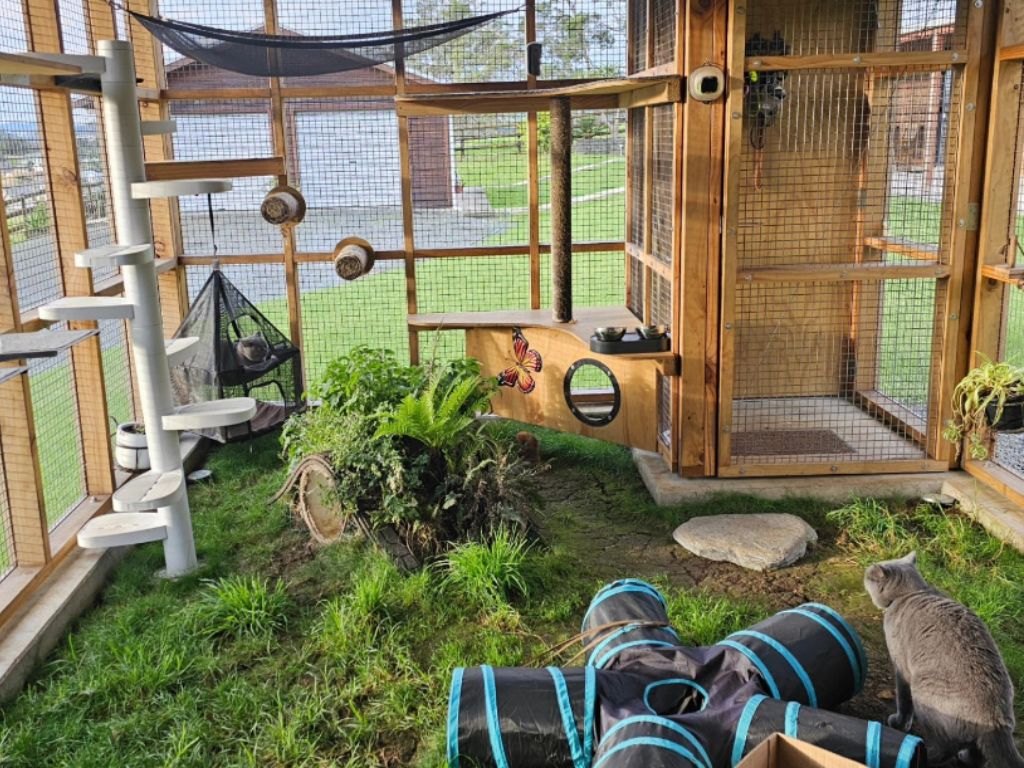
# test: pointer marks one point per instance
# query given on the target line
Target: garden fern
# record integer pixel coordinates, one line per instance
(443, 420)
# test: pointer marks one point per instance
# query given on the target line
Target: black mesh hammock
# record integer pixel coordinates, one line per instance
(265, 55)
(240, 354)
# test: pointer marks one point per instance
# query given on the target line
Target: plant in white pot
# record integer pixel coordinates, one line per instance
(130, 447)
(989, 399)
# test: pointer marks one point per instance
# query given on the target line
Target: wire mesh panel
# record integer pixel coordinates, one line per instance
(93, 177)
(338, 315)
(662, 183)
(598, 279)
(636, 173)
(582, 40)
(27, 199)
(636, 56)
(492, 53)
(8, 557)
(1009, 448)
(343, 155)
(468, 284)
(833, 372)
(635, 297)
(861, 26)
(664, 21)
(58, 434)
(223, 130)
(469, 180)
(598, 178)
(853, 166)
(74, 26)
(118, 382)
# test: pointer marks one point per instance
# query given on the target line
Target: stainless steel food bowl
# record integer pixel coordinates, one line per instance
(610, 333)
(652, 331)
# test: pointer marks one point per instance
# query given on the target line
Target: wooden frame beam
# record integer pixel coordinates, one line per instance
(174, 170)
(901, 59)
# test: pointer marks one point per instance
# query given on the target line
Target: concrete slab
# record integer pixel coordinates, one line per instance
(39, 625)
(999, 516)
(667, 488)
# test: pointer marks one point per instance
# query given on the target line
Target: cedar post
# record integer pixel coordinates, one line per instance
(561, 210)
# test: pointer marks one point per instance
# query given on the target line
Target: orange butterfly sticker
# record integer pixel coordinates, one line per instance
(525, 363)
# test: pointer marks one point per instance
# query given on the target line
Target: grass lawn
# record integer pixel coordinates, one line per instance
(348, 662)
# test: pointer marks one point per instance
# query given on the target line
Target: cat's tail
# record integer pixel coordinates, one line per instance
(999, 750)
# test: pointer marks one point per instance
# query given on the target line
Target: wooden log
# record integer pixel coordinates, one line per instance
(353, 257)
(561, 210)
(283, 205)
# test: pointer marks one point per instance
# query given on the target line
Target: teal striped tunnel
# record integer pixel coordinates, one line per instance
(809, 654)
(867, 742)
(627, 615)
(652, 742)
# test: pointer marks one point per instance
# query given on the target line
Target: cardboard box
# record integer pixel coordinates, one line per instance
(778, 751)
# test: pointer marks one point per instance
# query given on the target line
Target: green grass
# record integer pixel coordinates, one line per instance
(350, 666)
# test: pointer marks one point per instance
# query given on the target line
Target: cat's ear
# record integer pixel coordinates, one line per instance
(910, 559)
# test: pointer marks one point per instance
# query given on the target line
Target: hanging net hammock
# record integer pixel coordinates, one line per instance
(298, 55)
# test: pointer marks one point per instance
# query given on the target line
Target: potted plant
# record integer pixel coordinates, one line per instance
(990, 398)
(130, 450)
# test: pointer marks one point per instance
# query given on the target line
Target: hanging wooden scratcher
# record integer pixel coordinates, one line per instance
(353, 257)
(283, 206)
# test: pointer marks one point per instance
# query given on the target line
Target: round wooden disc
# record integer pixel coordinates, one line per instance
(316, 505)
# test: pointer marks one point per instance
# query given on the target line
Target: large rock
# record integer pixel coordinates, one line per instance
(760, 542)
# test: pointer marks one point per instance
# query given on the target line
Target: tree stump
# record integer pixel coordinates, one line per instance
(353, 258)
(283, 205)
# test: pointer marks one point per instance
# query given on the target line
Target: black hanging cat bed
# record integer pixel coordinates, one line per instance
(240, 354)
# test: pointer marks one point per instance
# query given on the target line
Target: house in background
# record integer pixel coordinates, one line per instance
(342, 151)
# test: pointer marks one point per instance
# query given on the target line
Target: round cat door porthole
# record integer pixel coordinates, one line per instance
(592, 392)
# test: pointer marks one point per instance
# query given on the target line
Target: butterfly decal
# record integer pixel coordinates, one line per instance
(525, 363)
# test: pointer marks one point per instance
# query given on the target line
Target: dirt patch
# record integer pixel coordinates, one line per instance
(616, 542)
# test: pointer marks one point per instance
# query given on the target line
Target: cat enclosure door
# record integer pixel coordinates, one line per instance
(846, 216)
(998, 327)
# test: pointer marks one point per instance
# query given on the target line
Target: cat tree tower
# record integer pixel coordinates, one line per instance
(152, 506)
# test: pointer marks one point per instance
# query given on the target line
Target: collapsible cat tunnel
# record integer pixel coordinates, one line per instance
(646, 699)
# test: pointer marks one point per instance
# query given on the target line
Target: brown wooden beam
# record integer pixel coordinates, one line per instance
(176, 170)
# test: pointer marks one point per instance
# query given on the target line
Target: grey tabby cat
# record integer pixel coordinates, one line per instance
(951, 682)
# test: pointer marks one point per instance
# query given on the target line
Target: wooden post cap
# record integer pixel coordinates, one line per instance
(283, 205)
(353, 257)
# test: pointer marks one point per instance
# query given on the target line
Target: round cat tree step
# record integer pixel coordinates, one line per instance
(149, 491)
(181, 350)
(211, 414)
(158, 127)
(147, 190)
(119, 529)
(114, 256)
(88, 308)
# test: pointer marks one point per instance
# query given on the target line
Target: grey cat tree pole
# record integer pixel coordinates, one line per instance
(152, 506)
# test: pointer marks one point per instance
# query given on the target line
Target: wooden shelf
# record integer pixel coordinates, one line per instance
(622, 93)
(184, 170)
(1003, 273)
(904, 247)
(25, 346)
(586, 320)
(917, 59)
(29, 64)
(842, 272)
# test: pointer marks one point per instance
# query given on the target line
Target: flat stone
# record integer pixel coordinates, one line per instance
(759, 542)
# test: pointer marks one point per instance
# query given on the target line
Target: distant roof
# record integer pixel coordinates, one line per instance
(920, 15)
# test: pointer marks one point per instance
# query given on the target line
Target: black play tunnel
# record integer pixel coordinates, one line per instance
(808, 654)
(521, 717)
(652, 742)
(870, 743)
(629, 600)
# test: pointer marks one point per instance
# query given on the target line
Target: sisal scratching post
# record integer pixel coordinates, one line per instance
(561, 210)
(283, 205)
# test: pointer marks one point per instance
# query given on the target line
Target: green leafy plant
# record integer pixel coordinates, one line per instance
(488, 572)
(243, 606)
(991, 383)
(366, 381)
(443, 416)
